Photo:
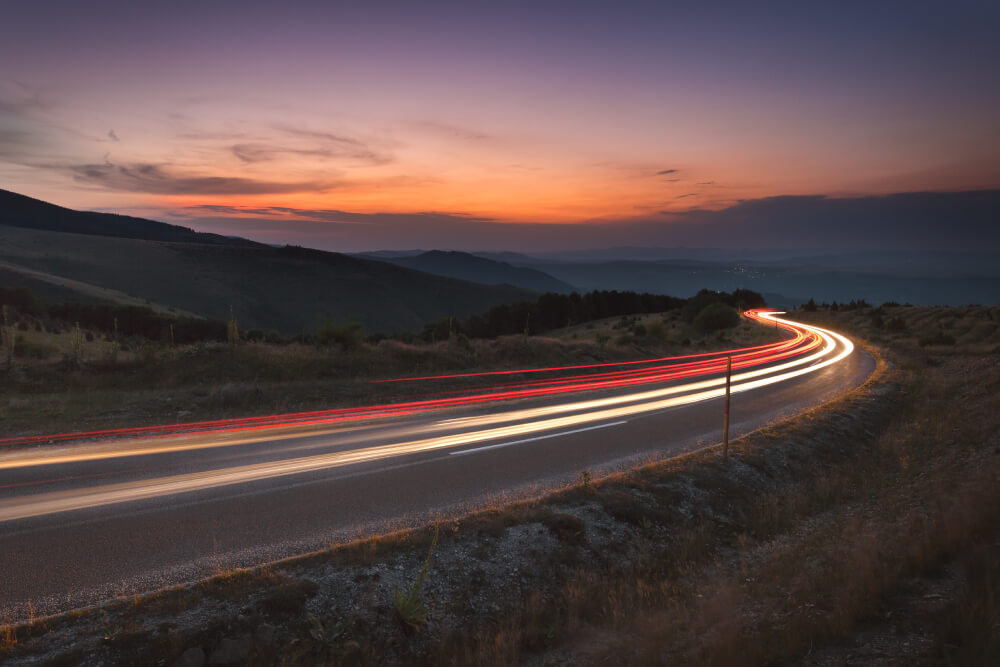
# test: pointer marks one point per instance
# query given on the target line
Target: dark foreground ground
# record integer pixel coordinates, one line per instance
(864, 532)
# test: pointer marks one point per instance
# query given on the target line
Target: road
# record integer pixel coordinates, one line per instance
(86, 521)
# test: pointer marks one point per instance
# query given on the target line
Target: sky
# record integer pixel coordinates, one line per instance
(474, 125)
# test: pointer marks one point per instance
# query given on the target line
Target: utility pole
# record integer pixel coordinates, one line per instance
(725, 417)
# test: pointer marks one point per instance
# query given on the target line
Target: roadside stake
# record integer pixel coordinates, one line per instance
(725, 416)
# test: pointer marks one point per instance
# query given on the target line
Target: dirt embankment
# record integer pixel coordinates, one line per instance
(858, 532)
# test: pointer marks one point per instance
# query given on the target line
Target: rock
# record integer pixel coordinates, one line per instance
(232, 651)
(264, 635)
(193, 657)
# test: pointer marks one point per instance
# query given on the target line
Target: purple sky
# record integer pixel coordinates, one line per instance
(491, 125)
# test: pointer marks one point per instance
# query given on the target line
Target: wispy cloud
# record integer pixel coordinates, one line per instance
(158, 179)
(253, 152)
(666, 172)
(112, 136)
(689, 194)
(455, 131)
(334, 215)
(321, 144)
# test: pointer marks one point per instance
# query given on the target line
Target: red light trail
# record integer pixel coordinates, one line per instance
(650, 371)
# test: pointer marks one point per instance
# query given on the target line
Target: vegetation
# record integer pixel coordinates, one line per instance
(348, 335)
(716, 316)
(553, 311)
(409, 606)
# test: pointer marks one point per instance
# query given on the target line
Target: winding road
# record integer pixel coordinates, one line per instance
(88, 517)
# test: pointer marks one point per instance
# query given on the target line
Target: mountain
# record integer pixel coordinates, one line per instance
(17, 210)
(285, 289)
(465, 266)
(922, 278)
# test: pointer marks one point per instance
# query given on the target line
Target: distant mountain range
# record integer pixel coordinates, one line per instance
(784, 277)
(63, 253)
(466, 266)
(286, 289)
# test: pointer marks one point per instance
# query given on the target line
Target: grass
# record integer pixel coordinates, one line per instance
(409, 606)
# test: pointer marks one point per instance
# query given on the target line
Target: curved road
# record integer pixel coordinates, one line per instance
(86, 521)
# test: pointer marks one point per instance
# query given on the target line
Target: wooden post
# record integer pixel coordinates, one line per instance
(725, 418)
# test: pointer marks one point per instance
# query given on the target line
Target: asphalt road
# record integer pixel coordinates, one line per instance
(86, 522)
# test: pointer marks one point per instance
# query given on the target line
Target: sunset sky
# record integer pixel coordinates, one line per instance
(356, 125)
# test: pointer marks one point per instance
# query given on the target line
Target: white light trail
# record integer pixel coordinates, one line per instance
(592, 411)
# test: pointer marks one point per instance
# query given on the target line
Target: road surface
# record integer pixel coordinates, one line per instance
(86, 521)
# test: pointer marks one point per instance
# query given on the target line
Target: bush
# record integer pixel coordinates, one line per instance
(656, 330)
(896, 324)
(347, 335)
(940, 338)
(715, 317)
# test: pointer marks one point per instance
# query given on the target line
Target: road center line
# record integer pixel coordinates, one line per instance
(540, 437)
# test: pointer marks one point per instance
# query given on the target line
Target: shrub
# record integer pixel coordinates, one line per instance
(715, 317)
(656, 330)
(410, 609)
(347, 335)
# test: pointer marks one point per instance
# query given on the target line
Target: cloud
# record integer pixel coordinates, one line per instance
(902, 221)
(347, 217)
(706, 183)
(267, 152)
(112, 136)
(896, 222)
(321, 144)
(690, 194)
(455, 131)
(156, 179)
(664, 172)
(19, 99)
(263, 152)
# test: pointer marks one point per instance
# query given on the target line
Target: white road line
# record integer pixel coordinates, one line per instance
(541, 437)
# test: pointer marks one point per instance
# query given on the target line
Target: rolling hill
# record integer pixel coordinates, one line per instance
(466, 266)
(282, 289)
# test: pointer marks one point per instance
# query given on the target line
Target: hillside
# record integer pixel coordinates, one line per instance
(282, 289)
(465, 266)
(20, 211)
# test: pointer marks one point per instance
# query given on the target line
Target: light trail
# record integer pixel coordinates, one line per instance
(742, 358)
(577, 416)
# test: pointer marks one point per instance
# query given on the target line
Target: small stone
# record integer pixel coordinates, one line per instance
(232, 651)
(193, 657)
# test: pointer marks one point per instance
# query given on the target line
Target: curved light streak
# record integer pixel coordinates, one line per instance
(471, 430)
(652, 374)
(231, 436)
